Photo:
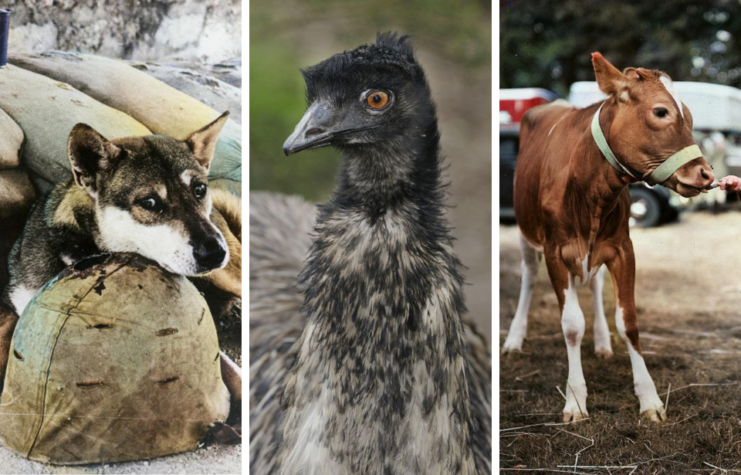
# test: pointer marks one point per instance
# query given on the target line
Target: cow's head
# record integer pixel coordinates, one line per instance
(648, 124)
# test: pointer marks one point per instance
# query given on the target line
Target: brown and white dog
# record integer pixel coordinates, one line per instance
(573, 207)
(145, 195)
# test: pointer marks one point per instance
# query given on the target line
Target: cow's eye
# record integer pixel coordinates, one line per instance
(660, 112)
(199, 190)
(151, 203)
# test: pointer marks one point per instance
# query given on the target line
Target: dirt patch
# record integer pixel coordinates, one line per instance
(688, 303)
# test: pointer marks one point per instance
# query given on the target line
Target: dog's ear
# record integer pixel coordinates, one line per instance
(202, 142)
(90, 154)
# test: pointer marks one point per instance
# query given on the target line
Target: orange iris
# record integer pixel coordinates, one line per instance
(377, 99)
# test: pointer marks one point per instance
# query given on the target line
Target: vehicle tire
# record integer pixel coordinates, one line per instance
(645, 208)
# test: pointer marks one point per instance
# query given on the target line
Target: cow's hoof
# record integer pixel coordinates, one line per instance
(575, 417)
(512, 346)
(654, 415)
(604, 353)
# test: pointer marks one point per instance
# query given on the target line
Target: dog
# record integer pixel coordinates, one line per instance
(145, 195)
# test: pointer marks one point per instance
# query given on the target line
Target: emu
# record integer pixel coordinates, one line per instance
(378, 370)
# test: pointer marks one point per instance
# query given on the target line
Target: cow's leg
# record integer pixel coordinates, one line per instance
(602, 346)
(622, 269)
(572, 324)
(518, 328)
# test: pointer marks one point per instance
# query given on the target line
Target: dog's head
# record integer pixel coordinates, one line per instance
(151, 195)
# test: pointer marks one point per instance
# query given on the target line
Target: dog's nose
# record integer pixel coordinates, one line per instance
(210, 254)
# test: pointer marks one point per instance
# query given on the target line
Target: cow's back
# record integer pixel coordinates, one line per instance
(548, 136)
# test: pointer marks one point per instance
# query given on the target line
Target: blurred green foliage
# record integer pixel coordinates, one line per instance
(547, 43)
(279, 35)
(276, 105)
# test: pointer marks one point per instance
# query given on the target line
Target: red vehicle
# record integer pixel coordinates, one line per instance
(513, 103)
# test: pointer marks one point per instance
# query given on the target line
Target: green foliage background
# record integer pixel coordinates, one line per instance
(279, 32)
(548, 43)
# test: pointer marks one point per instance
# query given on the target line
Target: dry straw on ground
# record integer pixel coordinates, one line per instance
(689, 313)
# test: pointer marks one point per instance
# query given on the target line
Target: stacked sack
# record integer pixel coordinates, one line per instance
(51, 92)
(16, 192)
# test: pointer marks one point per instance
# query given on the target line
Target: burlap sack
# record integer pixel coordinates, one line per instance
(47, 110)
(163, 109)
(16, 193)
(11, 139)
(210, 90)
(110, 362)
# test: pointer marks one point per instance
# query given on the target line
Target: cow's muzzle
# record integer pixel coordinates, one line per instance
(692, 179)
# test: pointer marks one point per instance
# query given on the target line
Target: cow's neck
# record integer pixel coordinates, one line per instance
(593, 204)
(596, 184)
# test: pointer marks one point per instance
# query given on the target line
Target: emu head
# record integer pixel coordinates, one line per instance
(373, 96)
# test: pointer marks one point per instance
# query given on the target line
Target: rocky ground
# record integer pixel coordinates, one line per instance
(689, 313)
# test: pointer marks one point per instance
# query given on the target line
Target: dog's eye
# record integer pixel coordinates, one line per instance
(199, 190)
(150, 204)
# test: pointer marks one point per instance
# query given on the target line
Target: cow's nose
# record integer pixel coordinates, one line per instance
(209, 254)
(706, 173)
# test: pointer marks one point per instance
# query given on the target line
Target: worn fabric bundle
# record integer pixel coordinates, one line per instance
(46, 110)
(159, 107)
(208, 89)
(114, 360)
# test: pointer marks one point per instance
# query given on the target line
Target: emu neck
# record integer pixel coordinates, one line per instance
(376, 178)
(380, 369)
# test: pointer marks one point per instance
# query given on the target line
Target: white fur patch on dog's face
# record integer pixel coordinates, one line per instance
(166, 244)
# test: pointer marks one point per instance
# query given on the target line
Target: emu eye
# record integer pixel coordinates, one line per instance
(377, 99)
(199, 190)
(660, 112)
(150, 203)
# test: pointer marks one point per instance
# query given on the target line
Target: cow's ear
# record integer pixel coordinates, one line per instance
(609, 78)
(90, 154)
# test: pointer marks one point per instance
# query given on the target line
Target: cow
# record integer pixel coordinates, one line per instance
(572, 206)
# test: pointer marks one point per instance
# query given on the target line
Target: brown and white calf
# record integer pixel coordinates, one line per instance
(573, 205)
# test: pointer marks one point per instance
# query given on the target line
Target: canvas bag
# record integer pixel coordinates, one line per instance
(212, 91)
(46, 110)
(161, 108)
(11, 140)
(114, 360)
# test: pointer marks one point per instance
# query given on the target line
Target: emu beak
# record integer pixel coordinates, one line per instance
(321, 125)
(311, 130)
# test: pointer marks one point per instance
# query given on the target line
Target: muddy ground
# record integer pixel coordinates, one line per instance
(688, 298)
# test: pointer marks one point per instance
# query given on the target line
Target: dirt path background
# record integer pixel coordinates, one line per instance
(689, 312)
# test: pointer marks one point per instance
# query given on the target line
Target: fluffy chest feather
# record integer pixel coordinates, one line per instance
(379, 381)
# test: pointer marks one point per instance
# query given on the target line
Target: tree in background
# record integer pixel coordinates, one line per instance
(548, 44)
